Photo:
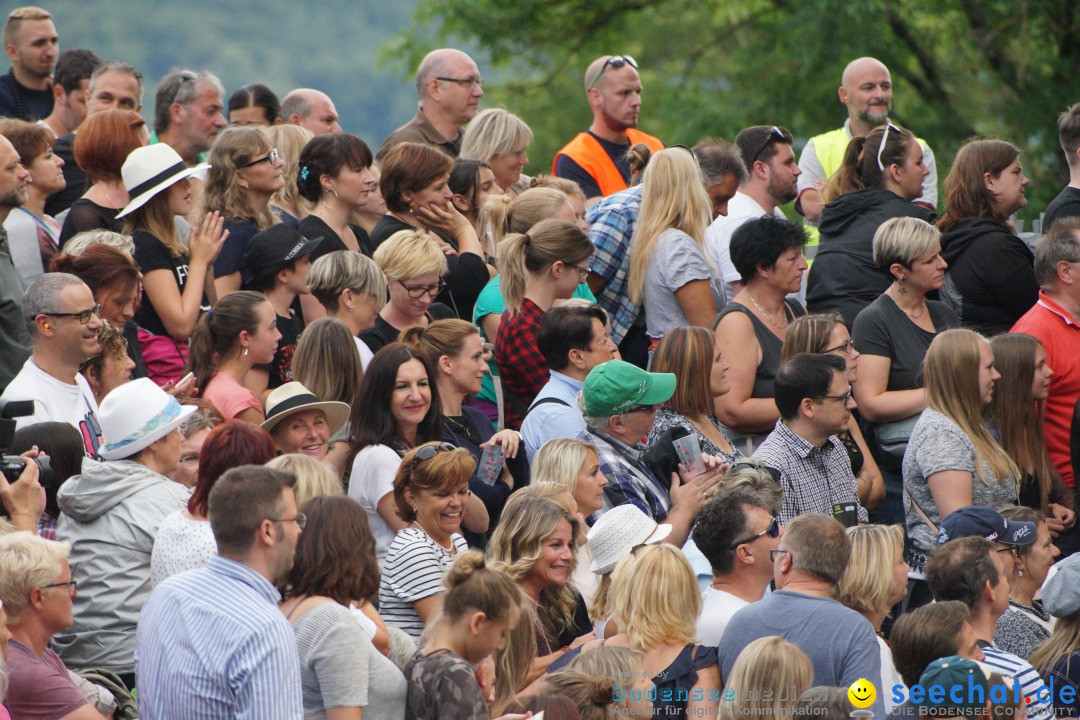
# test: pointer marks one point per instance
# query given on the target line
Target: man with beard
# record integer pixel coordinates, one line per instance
(596, 159)
(31, 42)
(13, 336)
(866, 89)
(212, 642)
(771, 182)
(188, 113)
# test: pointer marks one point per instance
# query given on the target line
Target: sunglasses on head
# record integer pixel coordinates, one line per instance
(775, 135)
(427, 452)
(884, 142)
(615, 62)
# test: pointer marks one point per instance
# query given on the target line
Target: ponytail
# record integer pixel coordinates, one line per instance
(496, 215)
(547, 242)
(846, 178)
(216, 333)
(859, 169)
(442, 337)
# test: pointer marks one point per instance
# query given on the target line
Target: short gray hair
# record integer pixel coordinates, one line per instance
(904, 240)
(78, 244)
(41, 296)
(718, 159)
(27, 562)
(1060, 244)
(296, 103)
(180, 86)
(115, 66)
(197, 421)
(593, 422)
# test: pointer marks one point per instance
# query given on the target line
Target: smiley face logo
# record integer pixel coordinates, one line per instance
(862, 693)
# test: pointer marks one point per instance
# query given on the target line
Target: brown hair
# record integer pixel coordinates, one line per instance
(217, 332)
(809, 334)
(966, 194)
(241, 500)
(472, 585)
(29, 139)
(688, 353)
(335, 555)
(234, 147)
(327, 362)
(104, 141)
(447, 470)
(442, 337)
(859, 167)
(925, 634)
(410, 167)
(99, 266)
(547, 242)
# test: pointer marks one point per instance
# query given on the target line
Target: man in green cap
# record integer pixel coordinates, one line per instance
(619, 402)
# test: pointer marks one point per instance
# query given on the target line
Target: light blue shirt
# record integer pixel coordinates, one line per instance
(553, 420)
(212, 644)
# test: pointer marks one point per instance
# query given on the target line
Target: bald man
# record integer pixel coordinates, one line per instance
(311, 109)
(449, 86)
(596, 158)
(867, 91)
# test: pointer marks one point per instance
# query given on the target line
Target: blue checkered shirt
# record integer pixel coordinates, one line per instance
(611, 226)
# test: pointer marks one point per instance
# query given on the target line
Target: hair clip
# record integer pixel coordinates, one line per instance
(304, 172)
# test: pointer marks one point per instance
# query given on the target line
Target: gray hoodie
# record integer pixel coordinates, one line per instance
(111, 514)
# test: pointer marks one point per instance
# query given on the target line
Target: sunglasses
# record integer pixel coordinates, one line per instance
(185, 76)
(616, 62)
(426, 452)
(884, 142)
(775, 135)
(271, 157)
(772, 531)
(639, 409)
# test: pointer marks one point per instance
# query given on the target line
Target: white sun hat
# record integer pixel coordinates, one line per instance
(151, 169)
(135, 415)
(617, 532)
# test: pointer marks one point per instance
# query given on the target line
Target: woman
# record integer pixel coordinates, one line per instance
(286, 203)
(767, 253)
(64, 446)
(767, 679)
(335, 177)
(103, 143)
(430, 490)
(368, 215)
(538, 267)
(1026, 625)
(185, 540)
(414, 186)
(178, 281)
(351, 288)
(626, 694)
(240, 333)
(1058, 659)
(827, 333)
(256, 105)
(415, 270)
(111, 367)
(313, 478)
(333, 575)
(499, 139)
(1016, 421)
(874, 581)
(670, 275)
(879, 177)
(689, 353)
(300, 422)
(193, 434)
(245, 172)
(991, 281)
(395, 410)
(893, 334)
(472, 183)
(33, 236)
(454, 350)
(952, 460)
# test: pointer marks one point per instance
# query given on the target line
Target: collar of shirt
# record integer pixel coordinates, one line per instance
(573, 386)
(635, 453)
(622, 200)
(1048, 303)
(428, 131)
(799, 444)
(242, 573)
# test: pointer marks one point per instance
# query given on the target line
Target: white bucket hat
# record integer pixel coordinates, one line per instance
(293, 397)
(151, 169)
(617, 532)
(135, 415)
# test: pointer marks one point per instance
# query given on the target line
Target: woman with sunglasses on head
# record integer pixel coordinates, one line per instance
(879, 177)
(245, 172)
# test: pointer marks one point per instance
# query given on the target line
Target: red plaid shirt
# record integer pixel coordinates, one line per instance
(522, 368)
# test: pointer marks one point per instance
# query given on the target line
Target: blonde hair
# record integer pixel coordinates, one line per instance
(594, 695)
(559, 461)
(809, 334)
(547, 490)
(78, 244)
(621, 665)
(494, 132)
(335, 272)
(567, 187)
(656, 596)
(904, 240)
(289, 139)
(673, 197)
(17, 17)
(516, 215)
(951, 376)
(514, 660)
(1063, 643)
(327, 361)
(27, 562)
(534, 252)
(442, 337)
(408, 254)
(156, 217)
(867, 584)
(314, 478)
(221, 191)
(761, 676)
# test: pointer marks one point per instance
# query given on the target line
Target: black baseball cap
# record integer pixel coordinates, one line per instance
(276, 247)
(985, 522)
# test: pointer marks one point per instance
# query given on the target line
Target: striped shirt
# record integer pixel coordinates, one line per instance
(1030, 682)
(413, 570)
(212, 644)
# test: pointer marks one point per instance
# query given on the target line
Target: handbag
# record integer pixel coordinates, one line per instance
(164, 357)
(892, 437)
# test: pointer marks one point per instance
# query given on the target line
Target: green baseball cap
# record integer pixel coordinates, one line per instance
(616, 386)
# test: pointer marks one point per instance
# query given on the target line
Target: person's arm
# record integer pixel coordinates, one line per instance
(311, 308)
(428, 607)
(704, 697)
(178, 312)
(696, 300)
(86, 712)
(875, 402)
(476, 518)
(810, 183)
(870, 482)
(250, 415)
(227, 284)
(257, 380)
(490, 323)
(951, 490)
(24, 499)
(381, 641)
(387, 510)
(344, 713)
(737, 409)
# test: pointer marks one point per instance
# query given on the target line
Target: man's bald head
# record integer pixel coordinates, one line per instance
(860, 66)
(866, 90)
(438, 63)
(311, 109)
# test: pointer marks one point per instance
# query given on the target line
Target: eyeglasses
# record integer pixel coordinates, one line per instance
(687, 148)
(467, 83)
(1011, 549)
(755, 465)
(639, 409)
(845, 397)
(845, 347)
(300, 519)
(884, 142)
(776, 552)
(83, 316)
(271, 157)
(417, 291)
(426, 452)
(70, 585)
(772, 531)
(185, 76)
(775, 135)
(615, 62)
(582, 271)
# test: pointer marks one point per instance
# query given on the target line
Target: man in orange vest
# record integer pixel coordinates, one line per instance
(596, 158)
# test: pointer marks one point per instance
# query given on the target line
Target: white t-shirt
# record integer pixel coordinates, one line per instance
(182, 543)
(890, 677)
(717, 607)
(365, 352)
(372, 478)
(585, 580)
(57, 401)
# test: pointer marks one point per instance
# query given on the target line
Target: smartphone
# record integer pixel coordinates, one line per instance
(689, 451)
(184, 379)
(491, 464)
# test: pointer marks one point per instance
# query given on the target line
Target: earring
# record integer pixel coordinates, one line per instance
(327, 204)
(1020, 572)
(245, 352)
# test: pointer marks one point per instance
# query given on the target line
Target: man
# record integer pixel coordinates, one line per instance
(63, 321)
(970, 569)
(212, 642)
(113, 86)
(611, 227)
(31, 42)
(736, 532)
(188, 113)
(925, 634)
(771, 181)
(596, 159)
(36, 589)
(13, 336)
(70, 84)
(1055, 321)
(573, 340)
(815, 403)
(311, 109)
(807, 565)
(1067, 202)
(618, 402)
(866, 89)
(449, 87)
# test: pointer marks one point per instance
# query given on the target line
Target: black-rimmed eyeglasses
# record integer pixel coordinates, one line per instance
(772, 531)
(70, 585)
(416, 291)
(848, 396)
(845, 347)
(467, 83)
(615, 62)
(83, 316)
(271, 157)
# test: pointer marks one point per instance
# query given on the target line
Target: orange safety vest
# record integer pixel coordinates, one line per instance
(587, 152)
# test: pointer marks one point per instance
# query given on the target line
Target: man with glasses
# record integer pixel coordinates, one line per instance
(13, 336)
(189, 113)
(449, 86)
(815, 403)
(63, 321)
(311, 109)
(212, 642)
(596, 159)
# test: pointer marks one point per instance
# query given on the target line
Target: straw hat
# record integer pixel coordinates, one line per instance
(151, 169)
(617, 532)
(135, 415)
(293, 397)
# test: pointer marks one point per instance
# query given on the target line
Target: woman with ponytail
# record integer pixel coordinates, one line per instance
(881, 174)
(239, 333)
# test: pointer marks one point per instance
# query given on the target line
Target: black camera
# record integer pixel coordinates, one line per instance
(13, 466)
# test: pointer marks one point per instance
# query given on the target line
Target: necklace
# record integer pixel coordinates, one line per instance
(911, 314)
(424, 530)
(766, 315)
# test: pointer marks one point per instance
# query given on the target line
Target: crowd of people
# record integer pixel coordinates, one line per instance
(326, 432)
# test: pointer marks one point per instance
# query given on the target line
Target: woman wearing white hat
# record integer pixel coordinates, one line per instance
(301, 423)
(111, 515)
(178, 281)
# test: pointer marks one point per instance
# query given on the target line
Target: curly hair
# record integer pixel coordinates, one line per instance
(234, 147)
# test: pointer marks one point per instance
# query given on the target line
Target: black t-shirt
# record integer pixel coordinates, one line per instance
(88, 215)
(76, 179)
(1066, 204)
(21, 102)
(313, 227)
(565, 167)
(280, 368)
(384, 333)
(231, 257)
(151, 254)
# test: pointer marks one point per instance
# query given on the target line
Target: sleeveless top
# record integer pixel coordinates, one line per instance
(770, 344)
